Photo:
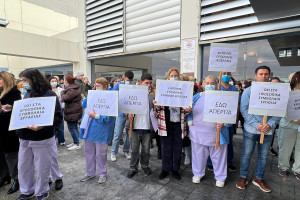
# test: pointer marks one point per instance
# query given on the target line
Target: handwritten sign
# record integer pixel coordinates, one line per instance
(38, 111)
(223, 57)
(269, 99)
(133, 99)
(104, 102)
(293, 107)
(174, 93)
(220, 106)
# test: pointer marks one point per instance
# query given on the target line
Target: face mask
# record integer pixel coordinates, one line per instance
(243, 86)
(226, 78)
(127, 82)
(231, 82)
(99, 89)
(53, 84)
(174, 79)
(210, 87)
(26, 86)
(23, 91)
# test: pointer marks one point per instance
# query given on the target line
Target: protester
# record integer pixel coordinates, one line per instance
(203, 136)
(231, 128)
(289, 138)
(97, 136)
(112, 83)
(141, 134)
(55, 172)
(87, 83)
(71, 96)
(120, 124)
(252, 128)
(172, 128)
(9, 142)
(82, 85)
(36, 143)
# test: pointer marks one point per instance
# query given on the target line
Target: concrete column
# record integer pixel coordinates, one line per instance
(190, 20)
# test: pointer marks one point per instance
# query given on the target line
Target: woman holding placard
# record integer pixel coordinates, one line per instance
(172, 128)
(203, 136)
(9, 142)
(97, 136)
(71, 96)
(289, 138)
(36, 142)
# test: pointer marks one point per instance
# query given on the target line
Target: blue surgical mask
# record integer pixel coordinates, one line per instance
(231, 82)
(174, 79)
(26, 86)
(23, 91)
(210, 87)
(226, 78)
(99, 89)
(127, 82)
(53, 84)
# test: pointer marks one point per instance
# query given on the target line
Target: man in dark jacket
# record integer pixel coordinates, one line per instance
(82, 85)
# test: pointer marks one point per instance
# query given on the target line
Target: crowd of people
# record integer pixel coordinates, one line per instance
(32, 152)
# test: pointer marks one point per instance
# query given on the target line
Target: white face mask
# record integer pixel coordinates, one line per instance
(127, 82)
(99, 89)
(174, 79)
(231, 82)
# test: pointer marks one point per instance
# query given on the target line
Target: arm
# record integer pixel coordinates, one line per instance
(250, 119)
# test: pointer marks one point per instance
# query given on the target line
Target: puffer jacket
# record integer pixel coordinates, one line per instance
(71, 96)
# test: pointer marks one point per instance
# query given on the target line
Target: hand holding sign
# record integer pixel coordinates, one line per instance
(35, 128)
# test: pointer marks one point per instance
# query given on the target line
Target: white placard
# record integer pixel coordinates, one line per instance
(133, 99)
(33, 111)
(223, 57)
(220, 106)
(293, 107)
(104, 102)
(174, 93)
(269, 99)
(188, 55)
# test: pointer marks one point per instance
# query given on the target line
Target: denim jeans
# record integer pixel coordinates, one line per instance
(249, 143)
(118, 133)
(73, 128)
(60, 133)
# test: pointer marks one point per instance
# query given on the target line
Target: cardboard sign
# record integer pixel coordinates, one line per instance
(174, 93)
(293, 107)
(133, 99)
(269, 99)
(32, 111)
(220, 106)
(223, 57)
(104, 102)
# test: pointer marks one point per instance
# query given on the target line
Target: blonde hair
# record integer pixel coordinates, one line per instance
(102, 81)
(20, 85)
(8, 82)
(184, 77)
(172, 70)
(191, 78)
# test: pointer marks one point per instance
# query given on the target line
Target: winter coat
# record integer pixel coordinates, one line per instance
(82, 87)
(9, 141)
(72, 97)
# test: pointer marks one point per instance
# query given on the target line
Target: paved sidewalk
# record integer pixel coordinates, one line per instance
(118, 186)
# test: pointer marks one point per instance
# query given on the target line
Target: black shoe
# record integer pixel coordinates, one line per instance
(176, 175)
(15, 187)
(274, 153)
(25, 196)
(151, 144)
(110, 144)
(210, 168)
(147, 171)
(5, 180)
(163, 174)
(43, 197)
(59, 184)
(50, 182)
(231, 168)
(121, 142)
(159, 154)
(131, 173)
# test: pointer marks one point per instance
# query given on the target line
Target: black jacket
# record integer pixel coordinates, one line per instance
(9, 142)
(48, 131)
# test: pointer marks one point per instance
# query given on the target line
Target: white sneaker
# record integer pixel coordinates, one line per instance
(196, 179)
(62, 143)
(101, 179)
(70, 145)
(127, 155)
(220, 184)
(187, 160)
(113, 157)
(74, 147)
